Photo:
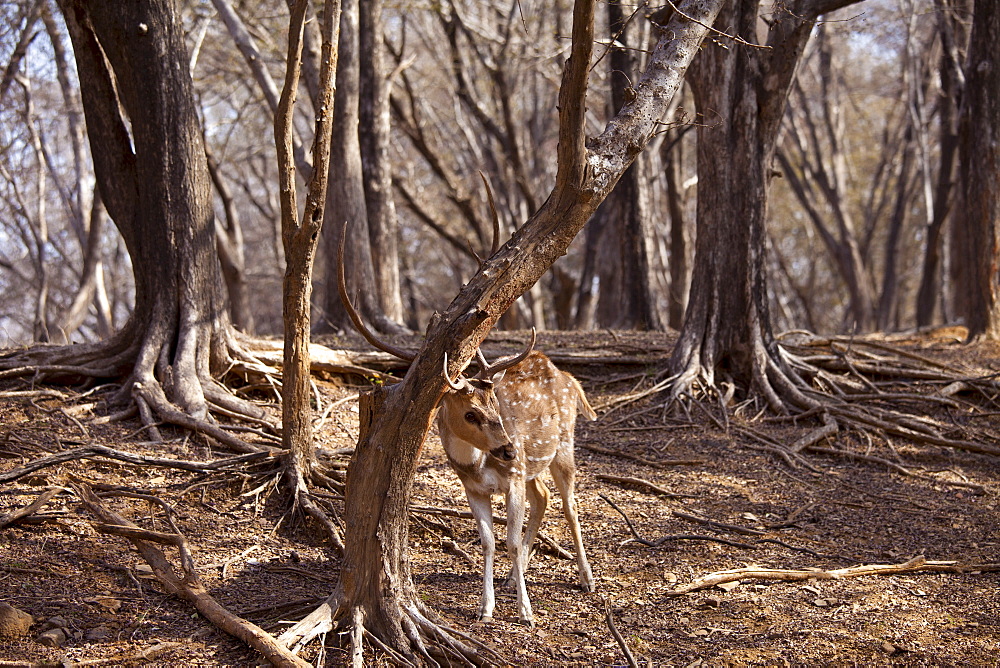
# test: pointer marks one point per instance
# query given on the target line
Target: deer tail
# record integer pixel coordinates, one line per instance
(581, 399)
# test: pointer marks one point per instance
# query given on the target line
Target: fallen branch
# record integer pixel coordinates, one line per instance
(915, 565)
(188, 587)
(27, 511)
(131, 458)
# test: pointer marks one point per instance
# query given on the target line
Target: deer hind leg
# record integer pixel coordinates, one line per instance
(482, 510)
(538, 496)
(515, 547)
(564, 474)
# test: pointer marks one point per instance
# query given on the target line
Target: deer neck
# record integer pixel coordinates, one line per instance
(462, 454)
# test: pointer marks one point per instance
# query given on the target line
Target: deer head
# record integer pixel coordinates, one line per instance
(471, 410)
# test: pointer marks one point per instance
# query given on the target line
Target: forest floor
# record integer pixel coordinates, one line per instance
(844, 512)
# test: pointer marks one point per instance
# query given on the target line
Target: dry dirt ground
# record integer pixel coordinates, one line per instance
(847, 512)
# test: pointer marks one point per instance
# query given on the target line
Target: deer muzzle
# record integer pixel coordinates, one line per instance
(504, 452)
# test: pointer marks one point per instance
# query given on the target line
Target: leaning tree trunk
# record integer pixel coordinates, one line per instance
(376, 587)
(153, 177)
(740, 91)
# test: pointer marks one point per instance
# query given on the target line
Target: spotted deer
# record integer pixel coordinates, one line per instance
(501, 430)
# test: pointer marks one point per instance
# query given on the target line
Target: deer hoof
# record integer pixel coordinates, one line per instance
(530, 623)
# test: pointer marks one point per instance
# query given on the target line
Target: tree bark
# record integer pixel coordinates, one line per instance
(953, 43)
(229, 239)
(300, 238)
(627, 296)
(149, 160)
(680, 274)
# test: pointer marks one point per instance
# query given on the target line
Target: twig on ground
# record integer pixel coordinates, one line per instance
(641, 460)
(618, 636)
(793, 460)
(718, 525)
(645, 484)
(225, 567)
(976, 489)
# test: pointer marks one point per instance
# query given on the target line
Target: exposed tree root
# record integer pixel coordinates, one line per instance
(303, 501)
(182, 393)
(430, 640)
(871, 385)
(148, 381)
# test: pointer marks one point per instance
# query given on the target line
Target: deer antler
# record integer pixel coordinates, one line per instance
(496, 224)
(359, 324)
(488, 371)
(460, 385)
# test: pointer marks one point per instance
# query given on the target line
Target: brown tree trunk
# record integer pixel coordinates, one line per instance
(229, 239)
(154, 181)
(346, 194)
(300, 238)
(820, 147)
(627, 296)
(90, 292)
(679, 241)
(374, 134)
(953, 42)
(741, 92)
(589, 291)
(979, 175)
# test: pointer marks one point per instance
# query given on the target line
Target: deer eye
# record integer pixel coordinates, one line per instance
(471, 418)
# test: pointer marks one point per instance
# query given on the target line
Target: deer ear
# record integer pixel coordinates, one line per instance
(497, 377)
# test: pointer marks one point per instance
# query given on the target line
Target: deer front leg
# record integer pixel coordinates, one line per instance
(515, 547)
(538, 500)
(482, 510)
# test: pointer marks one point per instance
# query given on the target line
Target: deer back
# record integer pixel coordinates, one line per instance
(539, 404)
